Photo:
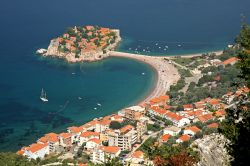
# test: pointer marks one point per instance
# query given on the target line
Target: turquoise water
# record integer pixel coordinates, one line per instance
(184, 26)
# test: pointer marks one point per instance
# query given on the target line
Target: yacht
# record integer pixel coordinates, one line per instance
(43, 96)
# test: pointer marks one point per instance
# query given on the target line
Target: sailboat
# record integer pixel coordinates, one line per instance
(43, 96)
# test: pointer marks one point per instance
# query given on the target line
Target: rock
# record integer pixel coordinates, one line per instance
(212, 150)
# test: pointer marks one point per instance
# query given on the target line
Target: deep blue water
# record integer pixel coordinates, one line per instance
(149, 25)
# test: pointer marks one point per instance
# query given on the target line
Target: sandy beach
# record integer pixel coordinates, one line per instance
(167, 74)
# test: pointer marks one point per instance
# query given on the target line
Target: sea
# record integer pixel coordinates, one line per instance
(78, 93)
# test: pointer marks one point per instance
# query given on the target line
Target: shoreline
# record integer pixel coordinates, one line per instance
(166, 74)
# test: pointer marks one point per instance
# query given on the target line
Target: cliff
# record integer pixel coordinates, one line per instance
(212, 151)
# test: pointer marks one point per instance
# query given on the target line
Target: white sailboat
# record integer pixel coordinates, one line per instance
(43, 96)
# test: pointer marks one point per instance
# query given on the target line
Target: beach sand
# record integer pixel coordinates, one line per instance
(167, 73)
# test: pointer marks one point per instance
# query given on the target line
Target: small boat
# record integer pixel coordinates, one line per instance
(95, 108)
(179, 45)
(99, 104)
(156, 44)
(41, 51)
(73, 73)
(79, 98)
(143, 73)
(43, 96)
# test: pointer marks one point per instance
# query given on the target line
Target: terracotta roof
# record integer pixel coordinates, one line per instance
(213, 125)
(89, 133)
(20, 152)
(138, 154)
(110, 149)
(206, 117)
(194, 113)
(95, 140)
(165, 137)
(159, 110)
(188, 106)
(65, 135)
(230, 60)
(193, 129)
(74, 129)
(214, 101)
(184, 137)
(220, 112)
(126, 128)
(36, 147)
(173, 116)
(50, 137)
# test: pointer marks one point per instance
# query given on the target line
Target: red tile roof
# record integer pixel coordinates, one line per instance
(110, 149)
(193, 129)
(36, 147)
(65, 135)
(89, 133)
(138, 154)
(184, 138)
(213, 125)
(95, 140)
(126, 128)
(221, 112)
(165, 137)
(206, 117)
(230, 60)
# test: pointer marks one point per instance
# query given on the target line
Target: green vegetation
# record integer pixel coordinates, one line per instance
(118, 125)
(153, 127)
(236, 126)
(215, 85)
(12, 159)
(168, 154)
(184, 72)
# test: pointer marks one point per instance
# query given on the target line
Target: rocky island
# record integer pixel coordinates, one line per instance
(88, 43)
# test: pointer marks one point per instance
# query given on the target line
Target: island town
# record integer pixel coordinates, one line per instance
(122, 135)
(88, 43)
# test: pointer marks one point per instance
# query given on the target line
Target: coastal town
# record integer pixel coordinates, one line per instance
(122, 135)
(88, 43)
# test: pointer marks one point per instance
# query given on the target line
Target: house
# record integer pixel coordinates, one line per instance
(103, 124)
(230, 61)
(131, 114)
(137, 158)
(183, 138)
(93, 143)
(65, 139)
(159, 101)
(188, 107)
(157, 111)
(116, 118)
(104, 153)
(52, 139)
(75, 132)
(177, 120)
(172, 130)
(205, 118)
(214, 103)
(137, 108)
(123, 138)
(164, 138)
(35, 151)
(85, 136)
(191, 131)
(213, 125)
(220, 114)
